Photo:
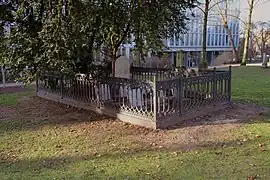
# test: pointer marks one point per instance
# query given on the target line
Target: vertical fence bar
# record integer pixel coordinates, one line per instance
(180, 95)
(37, 81)
(61, 86)
(214, 86)
(155, 98)
(230, 85)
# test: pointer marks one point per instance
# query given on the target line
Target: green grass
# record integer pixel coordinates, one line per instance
(251, 84)
(8, 99)
(37, 157)
(32, 150)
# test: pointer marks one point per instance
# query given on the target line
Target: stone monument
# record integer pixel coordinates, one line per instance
(122, 67)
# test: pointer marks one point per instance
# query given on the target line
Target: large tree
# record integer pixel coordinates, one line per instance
(206, 6)
(61, 35)
(226, 14)
(251, 5)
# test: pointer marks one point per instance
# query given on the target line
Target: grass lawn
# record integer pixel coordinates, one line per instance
(43, 140)
(251, 84)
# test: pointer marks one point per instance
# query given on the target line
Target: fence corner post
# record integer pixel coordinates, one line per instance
(37, 81)
(230, 85)
(180, 94)
(61, 86)
(155, 99)
(214, 86)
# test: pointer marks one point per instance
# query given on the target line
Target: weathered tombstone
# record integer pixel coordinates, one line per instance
(122, 67)
(122, 70)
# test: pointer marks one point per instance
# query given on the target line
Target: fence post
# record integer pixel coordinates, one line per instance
(37, 81)
(214, 86)
(230, 85)
(180, 95)
(155, 98)
(61, 86)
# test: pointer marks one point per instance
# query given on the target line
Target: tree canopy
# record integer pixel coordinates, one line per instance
(62, 35)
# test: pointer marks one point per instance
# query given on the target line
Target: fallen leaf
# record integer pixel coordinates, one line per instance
(251, 177)
(239, 143)
(258, 136)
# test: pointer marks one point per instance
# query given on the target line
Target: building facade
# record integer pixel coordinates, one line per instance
(185, 49)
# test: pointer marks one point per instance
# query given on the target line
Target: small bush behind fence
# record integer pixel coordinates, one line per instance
(154, 99)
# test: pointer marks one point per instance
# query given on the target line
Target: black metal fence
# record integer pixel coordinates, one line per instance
(156, 97)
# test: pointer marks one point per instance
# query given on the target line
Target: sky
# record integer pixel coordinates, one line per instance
(261, 12)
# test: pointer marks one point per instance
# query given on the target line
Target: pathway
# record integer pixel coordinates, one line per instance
(11, 85)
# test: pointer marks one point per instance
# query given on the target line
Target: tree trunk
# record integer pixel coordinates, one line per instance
(113, 66)
(204, 64)
(247, 34)
(235, 51)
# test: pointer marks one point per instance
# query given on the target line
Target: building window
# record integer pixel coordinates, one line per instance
(177, 40)
(216, 40)
(220, 40)
(208, 39)
(181, 39)
(200, 39)
(191, 39)
(231, 27)
(171, 41)
(196, 39)
(212, 40)
(237, 41)
(186, 39)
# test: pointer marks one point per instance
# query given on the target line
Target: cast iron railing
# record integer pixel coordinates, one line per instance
(156, 98)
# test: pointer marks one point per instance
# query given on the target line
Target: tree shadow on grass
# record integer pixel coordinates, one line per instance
(32, 113)
(87, 166)
(139, 163)
(237, 113)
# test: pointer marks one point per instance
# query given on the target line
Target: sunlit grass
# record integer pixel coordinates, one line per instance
(30, 149)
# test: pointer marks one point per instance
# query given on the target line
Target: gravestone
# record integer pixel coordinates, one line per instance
(122, 70)
(122, 67)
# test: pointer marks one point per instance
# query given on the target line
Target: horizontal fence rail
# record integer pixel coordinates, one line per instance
(125, 95)
(150, 94)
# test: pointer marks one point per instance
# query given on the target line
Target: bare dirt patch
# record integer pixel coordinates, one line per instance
(191, 134)
(5, 112)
